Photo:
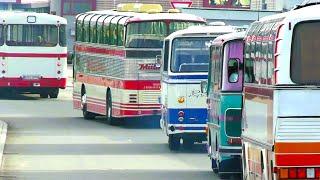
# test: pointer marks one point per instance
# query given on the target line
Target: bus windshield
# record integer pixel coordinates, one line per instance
(151, 34)
(146, 34)
(179, 25)
(305, 57)
(32, 35)
(190, 54)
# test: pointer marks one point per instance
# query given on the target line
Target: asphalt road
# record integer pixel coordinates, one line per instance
(47, 140)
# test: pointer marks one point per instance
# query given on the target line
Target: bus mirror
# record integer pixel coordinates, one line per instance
(158, 59)
(204, 86)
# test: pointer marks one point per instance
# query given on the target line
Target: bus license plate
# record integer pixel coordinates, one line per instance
(31, 77)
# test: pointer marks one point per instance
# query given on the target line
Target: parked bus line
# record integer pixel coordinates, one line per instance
(115, 68)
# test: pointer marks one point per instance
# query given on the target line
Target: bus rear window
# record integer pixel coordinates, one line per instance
(32, 35)
(305, 54)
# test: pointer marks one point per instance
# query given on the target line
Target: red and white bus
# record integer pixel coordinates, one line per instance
(115, 69)
(33, 53)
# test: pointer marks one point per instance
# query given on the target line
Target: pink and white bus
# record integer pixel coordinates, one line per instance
(115, 70)
(33, 53)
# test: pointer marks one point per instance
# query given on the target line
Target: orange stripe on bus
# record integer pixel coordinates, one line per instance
(299, 147)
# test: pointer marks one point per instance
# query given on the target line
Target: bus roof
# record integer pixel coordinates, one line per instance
(202, 31)
(136, 17)
(228, 37)
(19, 17)
(308, 12)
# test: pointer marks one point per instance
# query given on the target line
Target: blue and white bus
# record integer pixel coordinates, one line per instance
(185, 60)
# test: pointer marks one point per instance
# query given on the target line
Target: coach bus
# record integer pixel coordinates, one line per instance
(281, 138)
(185, 65)
(116, 73)
(33, 53)
(224, 91)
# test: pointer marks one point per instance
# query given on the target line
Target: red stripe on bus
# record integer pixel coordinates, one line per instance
(43, 82)
(259, 91)
(99, 50)
(120, 84)
(33, 55)
(298, 160)
(118, 112)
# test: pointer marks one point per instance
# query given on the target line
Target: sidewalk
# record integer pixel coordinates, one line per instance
(3, 136)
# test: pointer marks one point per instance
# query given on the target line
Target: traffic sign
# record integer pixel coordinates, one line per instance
(177, 4)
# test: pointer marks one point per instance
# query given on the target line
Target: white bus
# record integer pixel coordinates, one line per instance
(33, 53)
(185, 64)
(281, 136)
(115, 67)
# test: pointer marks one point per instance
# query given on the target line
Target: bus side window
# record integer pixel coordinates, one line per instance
(79, 30)
(233, 70)
(166, 55)
(120, 34)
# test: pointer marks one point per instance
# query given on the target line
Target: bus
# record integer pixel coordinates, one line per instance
(224, 100)
(185, 65)
(281, 116)
(115, 70)
(33, 53)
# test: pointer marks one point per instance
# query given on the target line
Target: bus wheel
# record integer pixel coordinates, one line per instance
(110, 119)
(54, 93)
(187, 143)
(174, 142)
(86, 114)
(214, 166)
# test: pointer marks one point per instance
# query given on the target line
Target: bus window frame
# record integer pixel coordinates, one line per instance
(102, 29)
(107, 22)
(82, 27)
(6, 35)
(291, 53)
(77, 27)
(65, 32)
(166, 57)
(117, 31)
(110, 28)
(97, 24)
(95, 28)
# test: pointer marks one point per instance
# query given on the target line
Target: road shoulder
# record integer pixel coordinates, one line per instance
(3, 137)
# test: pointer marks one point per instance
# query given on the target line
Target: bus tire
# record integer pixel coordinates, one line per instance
(54, 93)
(86, 114)
(214, 166)
(174, 142)
(110, 119)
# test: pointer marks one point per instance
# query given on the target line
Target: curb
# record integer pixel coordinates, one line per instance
(3, 137)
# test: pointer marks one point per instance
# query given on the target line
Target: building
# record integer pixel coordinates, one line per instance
(25, 5)
(111, 4)
(274, 5)
(69, 9)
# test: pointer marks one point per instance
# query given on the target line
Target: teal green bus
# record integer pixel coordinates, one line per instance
(224, 91)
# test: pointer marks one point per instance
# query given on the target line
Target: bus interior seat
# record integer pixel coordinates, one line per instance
(201, 58)
(184, 58)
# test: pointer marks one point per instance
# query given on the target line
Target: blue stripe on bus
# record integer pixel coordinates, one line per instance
(199, 115)
(188, 77)
(189, 128)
